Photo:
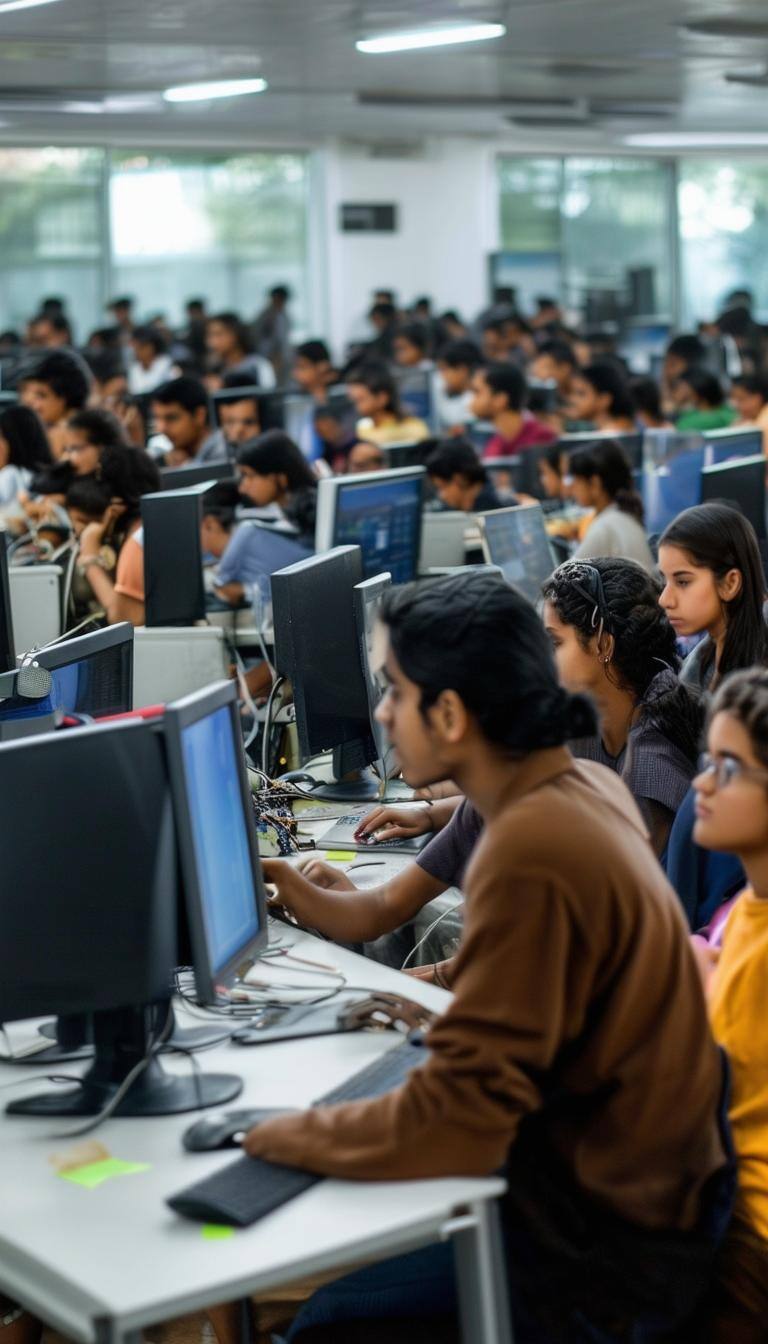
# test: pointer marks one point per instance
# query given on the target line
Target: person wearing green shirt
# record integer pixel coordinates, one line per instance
(703, 396)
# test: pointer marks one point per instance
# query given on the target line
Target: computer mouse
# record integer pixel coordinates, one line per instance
(223, 1129)
(298, 777)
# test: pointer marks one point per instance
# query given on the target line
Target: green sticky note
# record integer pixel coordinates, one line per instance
(217, 1232)
(340, 855)
(95, 1173)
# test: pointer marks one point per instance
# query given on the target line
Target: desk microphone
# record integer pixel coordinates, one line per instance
(31, 682)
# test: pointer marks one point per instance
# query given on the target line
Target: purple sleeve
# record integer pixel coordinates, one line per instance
(446, 857)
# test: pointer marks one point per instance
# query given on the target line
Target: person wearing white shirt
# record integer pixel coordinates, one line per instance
(601, 479)
(456, 364)
(151, 364)
(24, 449)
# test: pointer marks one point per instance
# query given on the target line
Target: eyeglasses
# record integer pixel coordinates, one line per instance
(724, 769)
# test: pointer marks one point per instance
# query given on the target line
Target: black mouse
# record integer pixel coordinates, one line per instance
(223, 1129)
(298, 777)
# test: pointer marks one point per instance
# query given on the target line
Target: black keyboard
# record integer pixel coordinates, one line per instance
(248, 1189)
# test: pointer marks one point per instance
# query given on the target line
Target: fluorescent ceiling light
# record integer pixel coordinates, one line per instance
(696, 139)
(418, 38)
(7, 5)
(221, 88)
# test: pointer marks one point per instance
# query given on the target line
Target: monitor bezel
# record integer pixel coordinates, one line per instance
(5, 605)
(719, 471)
(207, 473)
(375, 586)
(83, 647)
(328, 496)
(500, 513)
(178, 716)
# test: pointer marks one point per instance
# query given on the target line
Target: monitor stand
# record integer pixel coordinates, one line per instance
(71, 1037)
(356, 785)
(122, 1039)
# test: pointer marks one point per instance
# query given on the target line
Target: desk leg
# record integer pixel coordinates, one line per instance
(481, 1276)
(107, 1331)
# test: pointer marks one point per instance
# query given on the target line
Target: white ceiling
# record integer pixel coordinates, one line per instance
(604, 68)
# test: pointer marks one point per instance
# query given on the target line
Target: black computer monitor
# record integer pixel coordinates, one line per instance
(179, 478)
(632, 445)
(90, 674)
(516, 540)
(7, 644)
(225, 900)
(316, 648)
(379, 511)
(367, 600)
(742, 484)
(408, 454)
(173, 557)
(723, 445)
(88, 918)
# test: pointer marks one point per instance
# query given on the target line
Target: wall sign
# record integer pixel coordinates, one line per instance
(367, 218)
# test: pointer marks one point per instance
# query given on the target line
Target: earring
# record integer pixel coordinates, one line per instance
(606, 660)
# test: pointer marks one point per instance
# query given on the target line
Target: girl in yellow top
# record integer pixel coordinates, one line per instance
(373, 392)
(732, 815)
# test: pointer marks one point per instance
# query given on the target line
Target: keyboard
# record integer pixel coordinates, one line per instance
(248, 1189)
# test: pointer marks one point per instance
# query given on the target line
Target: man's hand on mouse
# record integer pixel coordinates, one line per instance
(385, 824)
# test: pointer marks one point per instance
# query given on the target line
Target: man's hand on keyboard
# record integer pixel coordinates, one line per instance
(324, 875)
(294, 892)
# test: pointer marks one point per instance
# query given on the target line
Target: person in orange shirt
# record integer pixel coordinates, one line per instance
(129, 474)
(732, 815)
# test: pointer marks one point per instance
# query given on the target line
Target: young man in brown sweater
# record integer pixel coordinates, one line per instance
(576, 1054)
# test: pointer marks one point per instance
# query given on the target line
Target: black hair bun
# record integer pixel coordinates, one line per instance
(580, 717)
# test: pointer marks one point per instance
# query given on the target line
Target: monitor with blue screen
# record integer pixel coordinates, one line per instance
(671, 480)
(415, 389)
(516, 540)
(380, 512)
(91, 675)
(722, 445)
(217, 837)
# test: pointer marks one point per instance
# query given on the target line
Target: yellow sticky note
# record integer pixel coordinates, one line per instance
(95, 1173)
(340, 855)
(217, 1232)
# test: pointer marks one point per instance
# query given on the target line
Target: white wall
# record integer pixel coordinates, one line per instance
(447, 225)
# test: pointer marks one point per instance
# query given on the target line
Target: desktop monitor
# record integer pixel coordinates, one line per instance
(225, 900)
(632, 444)
(178, 478)
(742, 484)
(415, 389)
(173, 560)
(90, 674)
(379, 511)
(367, 599)
(671, 479)
(516, 540)
(722, 445)
(408, 454)
(7, 644)
(316, 648)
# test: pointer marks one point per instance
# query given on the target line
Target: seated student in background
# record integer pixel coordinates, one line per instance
(701, 399)
(151, 364)
(24, 449)
(714, 585)
(229, 348)
(335, 427)
(556, 362)
(88, 436)
(410, 346)
(749, 398)
(600, 395)
(553, 468)
(499, 395)
(461, 481)
(732, 815)
(646, 395)
(456, 365)
(373, 391)
(601, 480)
(575, 1051)
(314, 374)
(184, 436)
(365, 457)
(612, 641)
(219, 508)
(87, 501)
(240, 417)
(111, 551)
(55, 387)
(273, 471)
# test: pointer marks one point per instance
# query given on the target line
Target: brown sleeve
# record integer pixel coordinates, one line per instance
(458, 1114)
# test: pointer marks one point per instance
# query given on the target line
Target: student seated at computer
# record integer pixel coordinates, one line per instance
(151, 364)
(219, 509)
(230, 350)
(239, 418)
(373, 392)
(749, 398)
(601, 480)
(600, 396)
(273, 471)
(499, 395)
(556, 362)
(336, 428)
(184, 436)
(573, 523)
(714, 585)
(410, 346)
(55, 387)
(575, 1054)
(612, 641)
(314, 374)
(646, 395)
(365, 457)
(24, 449)
(456, 365)
(111, 555)
(90, 435)
(461, 481)
(701, 402)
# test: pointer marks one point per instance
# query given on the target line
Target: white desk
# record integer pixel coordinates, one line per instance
(101, 1264)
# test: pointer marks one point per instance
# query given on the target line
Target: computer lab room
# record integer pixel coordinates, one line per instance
(383, 672)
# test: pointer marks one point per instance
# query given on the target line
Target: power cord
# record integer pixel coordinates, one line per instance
(450, 911)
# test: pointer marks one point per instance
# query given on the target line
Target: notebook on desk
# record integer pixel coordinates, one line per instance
(342, 837)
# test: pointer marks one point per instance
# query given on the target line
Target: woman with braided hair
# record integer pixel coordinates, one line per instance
(612, 640)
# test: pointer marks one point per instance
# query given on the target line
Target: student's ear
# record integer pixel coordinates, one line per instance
(730, 586)
(606, 647)
(449, 717)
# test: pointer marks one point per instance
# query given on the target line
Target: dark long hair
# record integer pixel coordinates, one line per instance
(128, 473)
(275, 453)
(477, 636)
(719, 538)
(607, 460)
(625, 604)
(27, 441)
(606, 378)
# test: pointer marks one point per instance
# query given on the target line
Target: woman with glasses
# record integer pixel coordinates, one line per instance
(612, 640)
(732, 814)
